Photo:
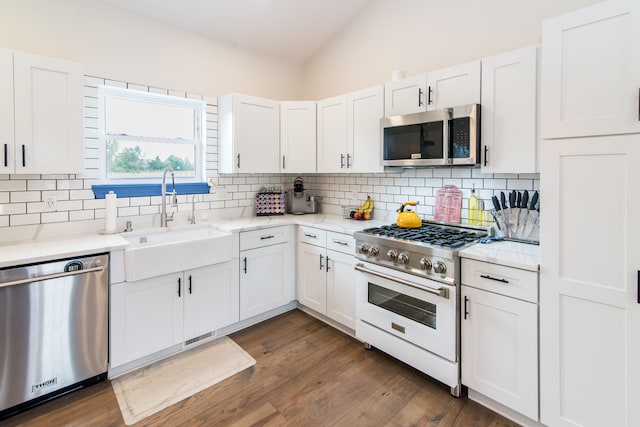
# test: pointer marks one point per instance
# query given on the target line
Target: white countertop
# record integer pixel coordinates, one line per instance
(65, 246)
(52, 248)
(512, 254)
(325, 221)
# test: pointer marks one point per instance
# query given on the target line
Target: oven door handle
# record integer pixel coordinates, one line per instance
(441, 292)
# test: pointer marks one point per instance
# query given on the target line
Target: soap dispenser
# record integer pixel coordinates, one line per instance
(473, 208)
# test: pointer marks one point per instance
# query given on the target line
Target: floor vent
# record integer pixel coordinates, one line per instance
(200, 338)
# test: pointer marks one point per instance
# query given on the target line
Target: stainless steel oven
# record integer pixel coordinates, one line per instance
(408, 283)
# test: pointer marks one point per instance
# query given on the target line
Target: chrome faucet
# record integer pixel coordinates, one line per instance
(174, 198)
(192, 217)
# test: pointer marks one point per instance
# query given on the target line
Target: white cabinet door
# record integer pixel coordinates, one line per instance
(332, 153)
(509, 122)
(591, 71)
(365, 108)
(312, 277)
(405, 96)
(298, 136)
(249, 134)
(146, 317)
(6, 112)
(453, 86)
(590, 258)
(265, 279)
(500, 349)
(211, 298)
(341, 288)
(48, 115)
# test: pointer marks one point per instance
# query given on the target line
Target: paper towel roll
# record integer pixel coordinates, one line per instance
(111, 212)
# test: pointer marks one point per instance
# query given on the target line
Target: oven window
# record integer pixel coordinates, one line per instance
(412, 308)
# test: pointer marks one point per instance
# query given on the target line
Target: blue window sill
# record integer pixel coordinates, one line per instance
(138, 190)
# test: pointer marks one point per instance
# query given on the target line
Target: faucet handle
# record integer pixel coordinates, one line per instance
(174, 198)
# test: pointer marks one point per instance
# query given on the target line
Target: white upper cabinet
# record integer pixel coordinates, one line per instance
(591, 71)
(40, 114)
(298, 136)
(332, 155)
(249, 134)
(405, 96)
(509, 118)
(364, 110)
(349, 132)
(448, 87)
(457, 85)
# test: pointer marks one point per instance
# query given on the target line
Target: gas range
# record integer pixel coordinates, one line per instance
(430, 250)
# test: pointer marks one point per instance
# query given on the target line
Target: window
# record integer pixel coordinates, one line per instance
(142, 134)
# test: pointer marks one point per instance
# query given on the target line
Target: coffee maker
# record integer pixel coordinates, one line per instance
(298, 202)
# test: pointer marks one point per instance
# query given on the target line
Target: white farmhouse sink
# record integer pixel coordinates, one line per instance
(170, 250)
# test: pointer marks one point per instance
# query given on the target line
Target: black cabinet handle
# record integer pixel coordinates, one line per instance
(190, 285)
(282, 162)
(341, 160)
(348, 160)
(486, 276)
(6, 155)
(420, 97)
(429, 100)
(328, 259)
(267, 237)
(179, 287)
(321, 265)
(24, 159)
(466, 309)
(245, 265)
(238, 160)
(486, 150)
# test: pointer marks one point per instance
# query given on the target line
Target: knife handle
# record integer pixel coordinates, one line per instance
(503, 200)
(496, 203)
(525, 200)
(519, 200)
(512, 199)
(534, 200)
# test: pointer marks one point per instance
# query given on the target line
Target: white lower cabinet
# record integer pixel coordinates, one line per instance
(151, 315)
(499, 345)
(326, 275)
(266, 270)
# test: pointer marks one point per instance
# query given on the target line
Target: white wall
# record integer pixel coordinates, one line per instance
(423, 35)
(121, 45)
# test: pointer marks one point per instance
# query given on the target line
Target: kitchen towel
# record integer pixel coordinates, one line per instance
(150, 389)
(111, 212)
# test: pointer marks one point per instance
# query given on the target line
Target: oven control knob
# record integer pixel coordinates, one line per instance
(425, 263)
(374, 251)
(363, 249)
(403, 258)
(440, 267)
(393, 255)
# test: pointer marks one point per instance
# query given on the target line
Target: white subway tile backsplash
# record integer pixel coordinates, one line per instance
(24, 196)
(13, 185)
(28, 219)
(54, 217)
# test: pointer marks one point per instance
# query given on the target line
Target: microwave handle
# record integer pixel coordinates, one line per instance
(448, 115)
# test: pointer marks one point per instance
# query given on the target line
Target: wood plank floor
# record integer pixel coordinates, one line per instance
(307, 374)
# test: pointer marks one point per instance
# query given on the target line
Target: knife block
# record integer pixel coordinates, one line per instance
(517, 224)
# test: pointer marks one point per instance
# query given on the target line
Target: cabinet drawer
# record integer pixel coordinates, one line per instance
(313, 236)
(263, 237)
(509, 281)
(341, 242)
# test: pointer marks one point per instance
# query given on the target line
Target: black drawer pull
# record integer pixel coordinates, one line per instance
(24, 157)
(313, 236)
(179, 286)
(6, 155)
(340, 242)
(267, 237)
(190, 285)
(486, 276)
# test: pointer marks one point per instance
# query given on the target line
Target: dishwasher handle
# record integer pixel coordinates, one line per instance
(50, 276)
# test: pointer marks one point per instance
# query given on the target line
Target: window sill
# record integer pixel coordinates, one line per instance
(139, 190)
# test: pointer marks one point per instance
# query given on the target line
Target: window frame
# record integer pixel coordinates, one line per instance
(199, 107)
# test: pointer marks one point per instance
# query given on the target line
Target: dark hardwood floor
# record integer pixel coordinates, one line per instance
(307, 374)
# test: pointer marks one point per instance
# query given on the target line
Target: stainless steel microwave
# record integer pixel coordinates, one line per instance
(445, 137)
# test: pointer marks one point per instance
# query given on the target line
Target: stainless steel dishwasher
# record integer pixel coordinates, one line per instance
(53, 329)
